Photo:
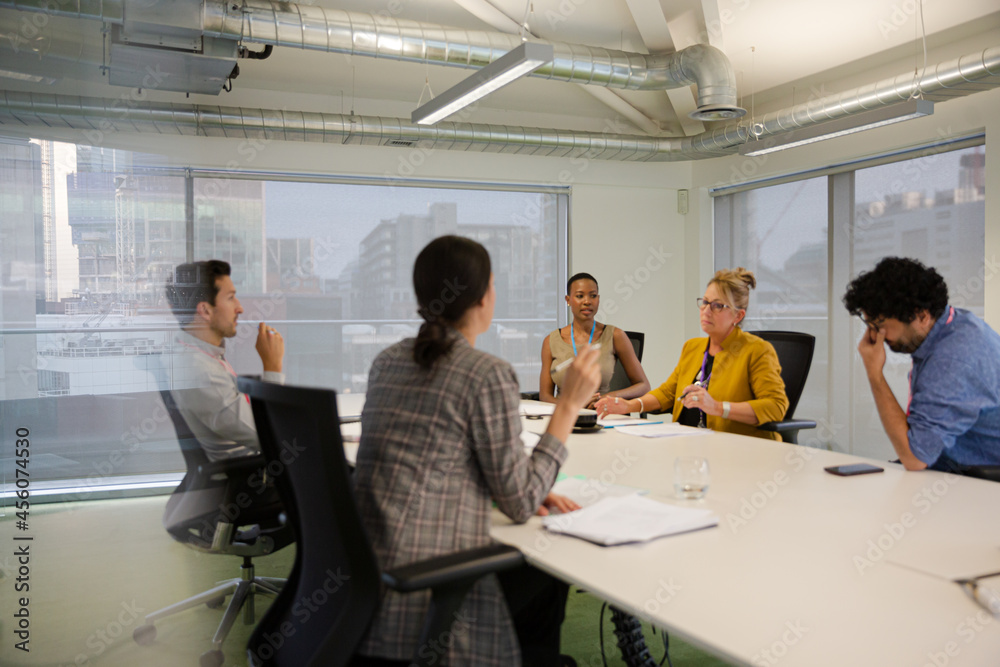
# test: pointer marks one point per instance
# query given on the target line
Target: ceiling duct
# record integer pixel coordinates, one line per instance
(286, 24)
(962, 76)
(292, 25)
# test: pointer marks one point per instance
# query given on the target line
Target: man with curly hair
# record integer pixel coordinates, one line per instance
(952, 419)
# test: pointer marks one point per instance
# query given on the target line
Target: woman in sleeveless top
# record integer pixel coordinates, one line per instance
(583, 298)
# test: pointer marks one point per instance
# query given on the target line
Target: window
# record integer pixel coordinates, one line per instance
(89, 338)
(806, 239)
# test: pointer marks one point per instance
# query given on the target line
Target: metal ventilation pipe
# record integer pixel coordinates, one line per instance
(962, 76)
(306, 27)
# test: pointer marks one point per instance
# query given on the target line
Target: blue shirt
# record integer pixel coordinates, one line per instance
(954, 409)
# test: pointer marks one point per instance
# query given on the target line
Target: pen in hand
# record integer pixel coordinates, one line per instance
(697, 384)
(567, 362)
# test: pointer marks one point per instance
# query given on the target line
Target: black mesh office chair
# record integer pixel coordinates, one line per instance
(620, 378)
(335, 567)
(795, 353)
(218, 508)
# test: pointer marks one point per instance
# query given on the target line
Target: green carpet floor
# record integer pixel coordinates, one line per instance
(98, 567)
(581, 638)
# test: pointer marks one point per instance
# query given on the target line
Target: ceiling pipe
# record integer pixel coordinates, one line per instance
(307, 27)
(292, 25)
(94, 117)
(961, 76)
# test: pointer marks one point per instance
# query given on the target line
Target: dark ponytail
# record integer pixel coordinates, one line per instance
(451, 274)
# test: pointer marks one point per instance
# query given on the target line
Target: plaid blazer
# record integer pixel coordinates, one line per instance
(437, 448)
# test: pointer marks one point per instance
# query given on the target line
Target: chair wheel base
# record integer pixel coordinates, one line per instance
(211, 659)
(216, 603)
(144, 634)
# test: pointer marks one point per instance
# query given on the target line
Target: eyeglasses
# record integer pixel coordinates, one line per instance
(874, 324)
(716, 306)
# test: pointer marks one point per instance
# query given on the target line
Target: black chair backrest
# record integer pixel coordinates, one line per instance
(193, 508)
(795, 353)
(620, 378)
(335, 566)
(194, 455)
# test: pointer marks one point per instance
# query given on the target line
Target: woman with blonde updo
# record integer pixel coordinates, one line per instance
(729, 381)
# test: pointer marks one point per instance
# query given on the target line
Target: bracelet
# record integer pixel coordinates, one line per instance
(725, 409)
(641, 406)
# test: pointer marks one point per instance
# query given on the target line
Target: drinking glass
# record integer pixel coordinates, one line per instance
(691, 477)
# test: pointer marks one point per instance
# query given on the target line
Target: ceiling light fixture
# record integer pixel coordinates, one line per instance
(865, 120)
(514, 64)
(33, 78)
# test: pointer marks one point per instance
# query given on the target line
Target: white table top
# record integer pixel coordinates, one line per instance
(349, 406)
(805, 568)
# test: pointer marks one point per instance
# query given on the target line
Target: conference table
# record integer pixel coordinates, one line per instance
(804, 567)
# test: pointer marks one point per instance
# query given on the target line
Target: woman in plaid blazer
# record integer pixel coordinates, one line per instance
(440, 445)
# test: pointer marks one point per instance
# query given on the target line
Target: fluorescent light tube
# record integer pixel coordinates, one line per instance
(865, 120)
(514, 64)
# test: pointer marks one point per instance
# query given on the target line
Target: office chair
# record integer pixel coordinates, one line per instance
(620, 378)
(215, 510)
(990, 473)
(795, 353)
(335, 566)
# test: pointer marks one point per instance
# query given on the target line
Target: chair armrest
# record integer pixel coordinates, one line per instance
(786, 425)
(991, 473)
(452, 568)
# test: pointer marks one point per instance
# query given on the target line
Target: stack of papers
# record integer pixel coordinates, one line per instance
(630, 518)
(668, 430)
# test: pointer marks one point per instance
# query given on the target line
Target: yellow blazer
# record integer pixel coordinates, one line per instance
(746, 370)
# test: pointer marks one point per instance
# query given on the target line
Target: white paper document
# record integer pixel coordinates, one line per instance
(585, 491)
(667, 430)
(631, 518)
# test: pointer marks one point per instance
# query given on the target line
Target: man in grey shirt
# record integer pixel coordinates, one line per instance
(203, 298)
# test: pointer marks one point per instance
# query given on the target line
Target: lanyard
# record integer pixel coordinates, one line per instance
(701, 374)
(573, 338)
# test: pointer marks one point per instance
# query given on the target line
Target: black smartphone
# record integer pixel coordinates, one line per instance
(853, 469)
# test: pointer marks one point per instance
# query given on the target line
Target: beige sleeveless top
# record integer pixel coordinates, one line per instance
(561, 351)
